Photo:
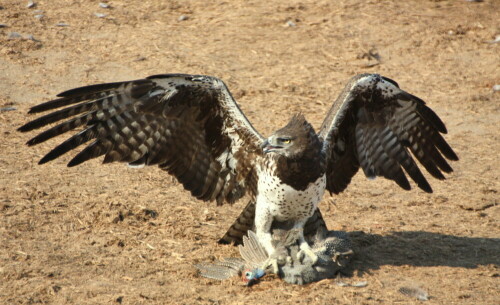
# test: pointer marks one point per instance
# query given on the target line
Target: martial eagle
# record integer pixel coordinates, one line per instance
(191, 126)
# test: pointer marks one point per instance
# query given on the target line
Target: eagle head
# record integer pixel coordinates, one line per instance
(293, 140)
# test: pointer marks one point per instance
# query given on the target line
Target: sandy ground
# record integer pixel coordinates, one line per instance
(86, 235)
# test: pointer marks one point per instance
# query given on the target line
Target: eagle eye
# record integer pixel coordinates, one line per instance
(285, 140)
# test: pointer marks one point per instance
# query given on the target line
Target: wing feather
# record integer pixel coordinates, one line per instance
(188, 125)
(379, 127)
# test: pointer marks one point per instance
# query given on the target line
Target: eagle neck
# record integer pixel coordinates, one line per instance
(300, 172)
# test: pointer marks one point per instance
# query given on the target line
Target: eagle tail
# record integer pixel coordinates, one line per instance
(240, 226)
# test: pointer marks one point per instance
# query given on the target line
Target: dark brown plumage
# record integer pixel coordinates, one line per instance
(174, 121)
(190, 126)
(303, 160)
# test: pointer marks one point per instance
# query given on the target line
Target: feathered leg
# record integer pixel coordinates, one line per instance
(315, 227)
(263, 223)
(305, 249)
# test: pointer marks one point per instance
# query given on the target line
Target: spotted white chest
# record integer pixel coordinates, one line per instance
(284, 202)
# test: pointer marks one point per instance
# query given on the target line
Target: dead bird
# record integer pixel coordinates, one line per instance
(331, 247)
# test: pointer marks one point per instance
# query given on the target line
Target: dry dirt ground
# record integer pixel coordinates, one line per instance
(97, 234)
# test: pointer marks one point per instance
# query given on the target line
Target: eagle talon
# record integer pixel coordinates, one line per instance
(338, 255)
(310, 253)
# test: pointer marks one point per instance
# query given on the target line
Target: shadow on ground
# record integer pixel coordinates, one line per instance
(423, 249)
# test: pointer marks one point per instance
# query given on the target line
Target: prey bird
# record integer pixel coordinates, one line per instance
(249, 266)
(191, 127)
(332, 248)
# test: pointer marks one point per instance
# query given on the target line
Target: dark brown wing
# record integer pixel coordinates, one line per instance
(374, 124)
(189, 125)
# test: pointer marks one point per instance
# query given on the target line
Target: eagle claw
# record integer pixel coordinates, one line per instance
(307, 252)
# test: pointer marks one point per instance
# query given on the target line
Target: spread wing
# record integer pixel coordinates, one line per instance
(189, 125)
(375, 125)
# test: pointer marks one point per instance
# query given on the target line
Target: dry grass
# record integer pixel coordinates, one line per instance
(84, 236)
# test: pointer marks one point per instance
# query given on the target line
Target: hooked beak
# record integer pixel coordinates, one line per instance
(268, 147)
